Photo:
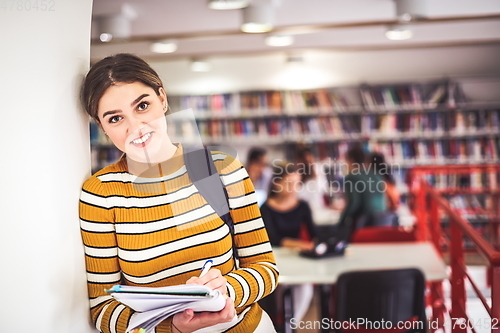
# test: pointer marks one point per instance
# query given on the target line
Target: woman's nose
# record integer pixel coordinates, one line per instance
(135, 124)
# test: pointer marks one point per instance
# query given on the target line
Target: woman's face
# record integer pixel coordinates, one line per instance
(291, 183)
(132, 115)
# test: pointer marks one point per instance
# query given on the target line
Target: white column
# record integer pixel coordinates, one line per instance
(45, 157)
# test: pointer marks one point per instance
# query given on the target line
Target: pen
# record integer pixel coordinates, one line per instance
(206, 267)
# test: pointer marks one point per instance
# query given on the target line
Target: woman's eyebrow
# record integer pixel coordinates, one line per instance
(110, 113)
(138, 99)
(131, 104)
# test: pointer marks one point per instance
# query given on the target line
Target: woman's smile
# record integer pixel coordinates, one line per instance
(142, 141)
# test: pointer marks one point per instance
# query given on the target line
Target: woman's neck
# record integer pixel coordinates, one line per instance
(156, 168)
(284, 201)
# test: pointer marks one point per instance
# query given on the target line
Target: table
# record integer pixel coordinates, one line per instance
(295, 269)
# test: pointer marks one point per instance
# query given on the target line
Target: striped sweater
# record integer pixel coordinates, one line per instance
(159, 231)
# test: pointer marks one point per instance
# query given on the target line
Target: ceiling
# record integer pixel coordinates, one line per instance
(353, 28)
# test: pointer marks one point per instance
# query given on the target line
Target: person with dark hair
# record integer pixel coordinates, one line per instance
(144, 222)
(382, 169)
(286, 217)
(258, 168)
(363, 192)
(284, 213)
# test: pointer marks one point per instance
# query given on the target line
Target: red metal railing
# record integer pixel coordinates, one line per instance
(427, 205)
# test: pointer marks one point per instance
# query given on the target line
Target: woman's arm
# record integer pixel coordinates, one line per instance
(257, 275)
(101, 258)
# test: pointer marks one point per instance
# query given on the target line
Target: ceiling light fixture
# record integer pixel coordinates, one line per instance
(410, 10)
(200, 66)
(164, 46)
(279, 40)
(227, 4)
(399, 32)
(258, 18)
(115, 27)
(115, 24)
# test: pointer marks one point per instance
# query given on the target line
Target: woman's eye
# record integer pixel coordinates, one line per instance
(114, 119)
(142, 106)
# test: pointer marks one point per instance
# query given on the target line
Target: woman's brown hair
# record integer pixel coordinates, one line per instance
(119, 68)
(280, 171)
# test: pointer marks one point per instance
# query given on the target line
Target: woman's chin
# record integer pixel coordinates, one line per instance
(146, 155)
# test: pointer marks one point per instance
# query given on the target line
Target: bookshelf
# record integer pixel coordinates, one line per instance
(415, 123)
(473, 190)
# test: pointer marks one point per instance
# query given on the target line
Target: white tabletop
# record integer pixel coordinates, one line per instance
(369, 256)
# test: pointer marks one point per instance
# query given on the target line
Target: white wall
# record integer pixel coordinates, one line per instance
(45, 158)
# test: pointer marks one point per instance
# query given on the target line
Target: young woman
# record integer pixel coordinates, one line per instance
(160, 230)
(284, 213)
(285, 217)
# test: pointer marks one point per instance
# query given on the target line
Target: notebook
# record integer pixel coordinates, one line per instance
(153, 305)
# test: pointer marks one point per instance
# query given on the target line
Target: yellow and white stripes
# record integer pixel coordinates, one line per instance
(163, 238)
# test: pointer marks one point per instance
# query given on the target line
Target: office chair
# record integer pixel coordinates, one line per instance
(368, 297)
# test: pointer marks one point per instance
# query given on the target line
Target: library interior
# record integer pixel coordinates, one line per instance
(413, 83)
(357, 140)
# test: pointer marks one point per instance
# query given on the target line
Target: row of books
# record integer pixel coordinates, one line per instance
(102, 156)
(409, 96)
(441, 151)
(474, 180)
(404, 96)
(456, 122)
(265, 102)
(334, 127)
(401, 126)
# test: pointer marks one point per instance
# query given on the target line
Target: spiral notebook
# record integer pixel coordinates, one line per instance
(153, 305)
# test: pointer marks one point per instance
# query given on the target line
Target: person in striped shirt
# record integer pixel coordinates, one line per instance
(160, 230)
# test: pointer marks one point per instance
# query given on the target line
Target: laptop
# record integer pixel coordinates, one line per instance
(331, 243)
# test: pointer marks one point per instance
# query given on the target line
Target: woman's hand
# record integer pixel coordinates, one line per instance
(213, 279)
(189, 321)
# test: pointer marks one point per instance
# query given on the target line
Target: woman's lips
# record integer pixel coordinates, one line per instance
(143, 140)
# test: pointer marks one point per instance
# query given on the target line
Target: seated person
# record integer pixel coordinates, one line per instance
(363, 191)
(284, 216)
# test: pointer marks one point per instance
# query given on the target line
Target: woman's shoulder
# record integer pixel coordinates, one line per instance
(303, 204)
(225, 163)
(114, 172)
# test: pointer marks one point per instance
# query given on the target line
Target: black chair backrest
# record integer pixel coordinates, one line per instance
(391, 295)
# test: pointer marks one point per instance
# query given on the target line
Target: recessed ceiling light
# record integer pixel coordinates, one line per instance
(200, 66)
(258, 19)
(166, 46)
(105, 37)
(227, 4)
(400, 32)
(279, 40)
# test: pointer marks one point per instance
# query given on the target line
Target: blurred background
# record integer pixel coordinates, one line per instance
(415, 81)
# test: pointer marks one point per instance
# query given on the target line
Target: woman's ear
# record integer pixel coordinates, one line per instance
(163, 95)
(163, 99)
